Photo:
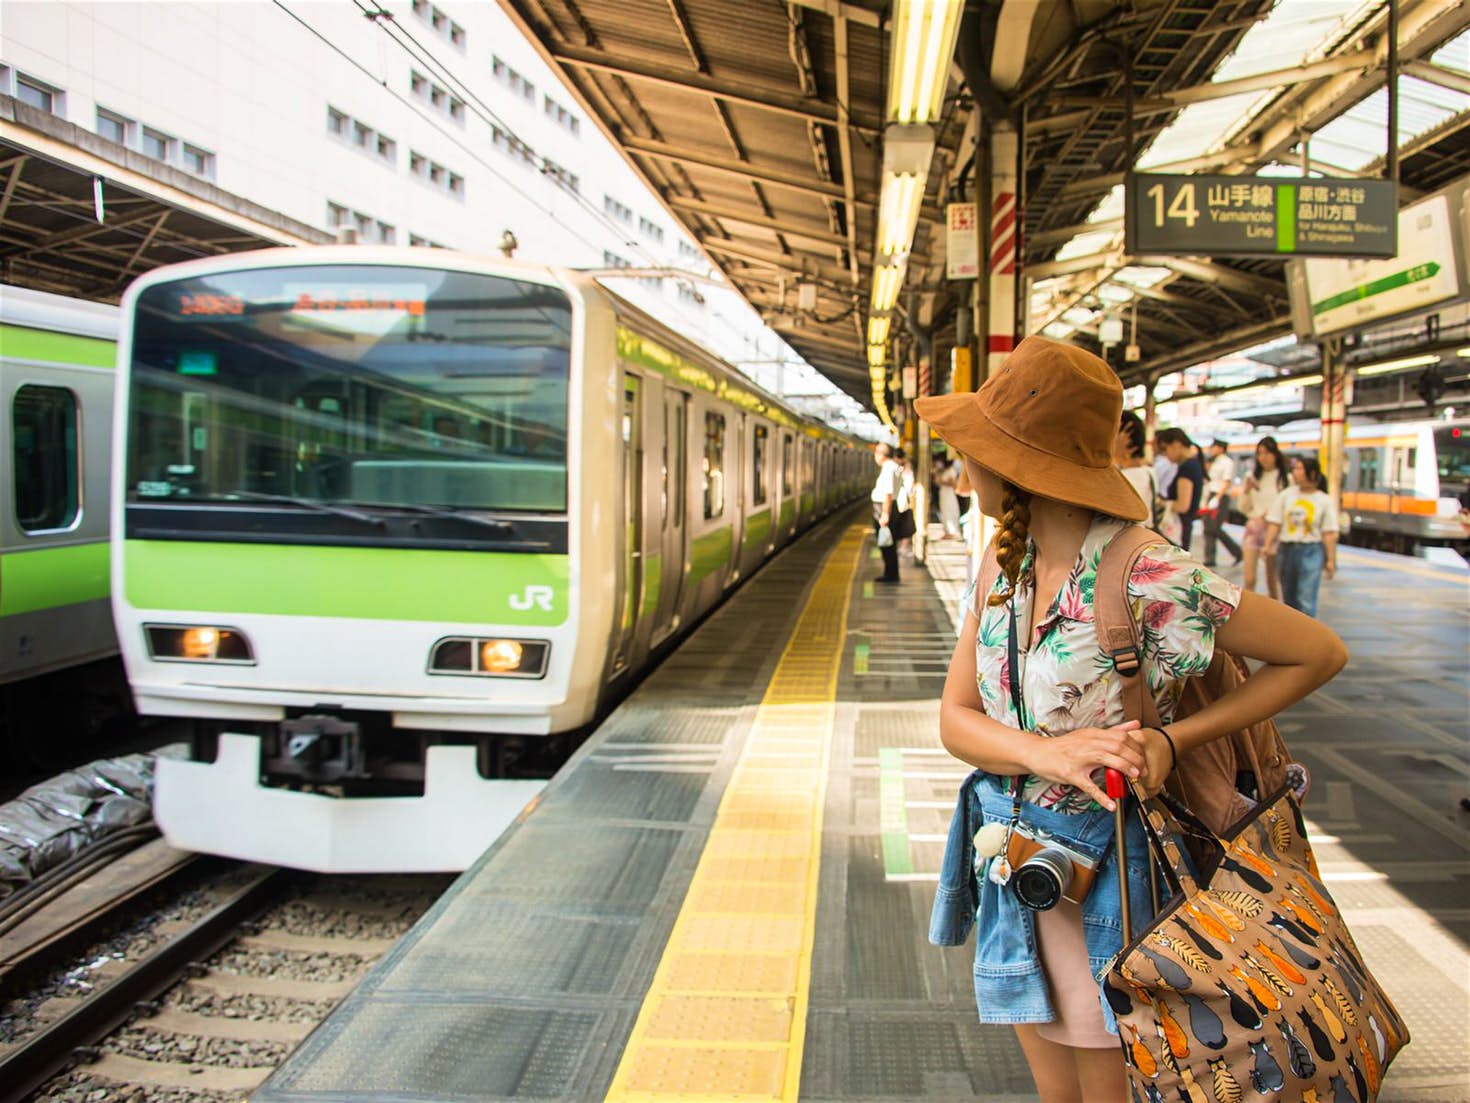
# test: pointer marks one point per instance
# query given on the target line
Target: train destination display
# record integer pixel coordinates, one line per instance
(1245, 216)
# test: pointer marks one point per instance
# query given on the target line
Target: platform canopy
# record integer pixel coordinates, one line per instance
(763, 127)
(83, 216)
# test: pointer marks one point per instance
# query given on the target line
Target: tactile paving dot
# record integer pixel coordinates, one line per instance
(693, 1072)
(732, 972)
(707, 895)
(785, 871)
(759, 844)
(761, 934)
(733, 1019)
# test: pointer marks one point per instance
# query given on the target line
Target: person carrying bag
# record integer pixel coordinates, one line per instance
(1034, 704)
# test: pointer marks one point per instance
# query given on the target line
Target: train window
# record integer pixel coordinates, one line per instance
(786, 471)
(44, 436)
(1368, 469)
(674, 434)
(1452, 452)
(758, 461)
(714, 465)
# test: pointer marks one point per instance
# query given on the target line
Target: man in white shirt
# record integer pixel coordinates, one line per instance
(885, 509)
(1220, 482)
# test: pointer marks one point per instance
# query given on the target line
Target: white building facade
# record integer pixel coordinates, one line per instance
(414, 122)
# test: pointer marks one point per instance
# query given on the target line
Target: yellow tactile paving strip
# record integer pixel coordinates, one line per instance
(725, 1016)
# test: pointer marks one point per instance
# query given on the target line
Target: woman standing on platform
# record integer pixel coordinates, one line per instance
(1262, 487)
(1028, 702)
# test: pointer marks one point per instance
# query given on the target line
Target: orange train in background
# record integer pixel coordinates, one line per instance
(1403, 483)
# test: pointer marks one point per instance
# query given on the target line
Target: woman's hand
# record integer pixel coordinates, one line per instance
(1072, 759)
(1159, 761)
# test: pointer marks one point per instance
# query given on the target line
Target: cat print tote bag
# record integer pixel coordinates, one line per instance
(1247, 986)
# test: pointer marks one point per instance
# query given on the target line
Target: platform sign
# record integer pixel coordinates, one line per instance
(1253, 216)
(962, 241)
(1332, 296)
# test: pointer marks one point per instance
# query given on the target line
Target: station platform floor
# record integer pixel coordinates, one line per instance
(724, 895)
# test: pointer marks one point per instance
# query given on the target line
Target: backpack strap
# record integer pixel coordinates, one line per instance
(1117, 630)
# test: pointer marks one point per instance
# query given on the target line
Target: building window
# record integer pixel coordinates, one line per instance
(199, 161)
(44, 435)
(423, 243)
(618, 210)
(513, 80)
(436, 96)
(690, 297)
(361, 136)
(38, 94)
(758, 460)
(442, 24)
(508, 143)
(563, 118)
(714, 465)
(114, 127)
(370, 230)
(157, 144)
(650, 229)
(688, 252)
(337, 216)
(435, 174)
(612, 260)
(569, 179)
(385, 233)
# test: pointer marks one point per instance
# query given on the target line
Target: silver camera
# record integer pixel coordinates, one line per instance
(1044, 870)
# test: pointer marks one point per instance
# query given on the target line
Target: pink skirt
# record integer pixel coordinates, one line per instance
(1075, 995)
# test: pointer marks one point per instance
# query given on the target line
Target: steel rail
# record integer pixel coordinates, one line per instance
(50, 1050)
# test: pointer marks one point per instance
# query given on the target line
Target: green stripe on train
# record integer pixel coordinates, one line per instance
(788, 512)
(709, 553)
(62, 348)
(46, 578)
(456, 587)
(757, 529)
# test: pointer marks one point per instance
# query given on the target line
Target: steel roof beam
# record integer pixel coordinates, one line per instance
(1445, 77)
(745, 218)
(838, 10)
(750, 95)
(844, 143)
(1206, 272)
(788, 262)
(681, 156)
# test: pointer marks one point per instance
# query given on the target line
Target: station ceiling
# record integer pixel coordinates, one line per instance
(760, 126)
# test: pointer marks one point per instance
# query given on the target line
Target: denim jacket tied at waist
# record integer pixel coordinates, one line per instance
(1010, 986)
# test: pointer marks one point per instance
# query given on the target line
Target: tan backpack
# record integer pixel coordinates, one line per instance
(1223, 780)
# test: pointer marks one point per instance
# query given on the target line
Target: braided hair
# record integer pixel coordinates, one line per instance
(1011, 539)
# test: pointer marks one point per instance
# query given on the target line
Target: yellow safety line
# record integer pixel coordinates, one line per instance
(725, 1016)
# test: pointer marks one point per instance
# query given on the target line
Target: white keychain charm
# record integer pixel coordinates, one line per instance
(1000, 871)
(990, 840)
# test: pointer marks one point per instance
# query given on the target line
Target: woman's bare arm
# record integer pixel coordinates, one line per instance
(1300, 654)
(976, 739)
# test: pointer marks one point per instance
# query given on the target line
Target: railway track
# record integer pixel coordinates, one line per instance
(196, 989)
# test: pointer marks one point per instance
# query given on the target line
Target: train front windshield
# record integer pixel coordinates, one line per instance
(350, 384)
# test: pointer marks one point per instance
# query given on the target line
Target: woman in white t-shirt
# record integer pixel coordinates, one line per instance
(1128, 449)
(1302, 522)
(1260, 490)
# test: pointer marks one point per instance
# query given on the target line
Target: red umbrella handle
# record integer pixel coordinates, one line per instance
(1117, 788)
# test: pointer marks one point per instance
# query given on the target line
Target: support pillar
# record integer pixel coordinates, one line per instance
(1150, 416)
(1004, 237)
(1336, 395)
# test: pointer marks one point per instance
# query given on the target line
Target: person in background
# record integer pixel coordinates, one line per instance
(1302, 522)
(945, 478)
(1221, 481)
(884, 496)
(903, 523)
(1128, 448)
(1188, 487)
(1260, 490)
(1164, 468)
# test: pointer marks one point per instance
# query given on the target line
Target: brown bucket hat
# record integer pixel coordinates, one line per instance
(1045, 422)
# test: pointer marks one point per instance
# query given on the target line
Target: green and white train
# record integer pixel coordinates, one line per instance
(386, 520)
(56, 382)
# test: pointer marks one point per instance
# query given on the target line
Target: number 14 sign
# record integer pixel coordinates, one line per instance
(1245, 216)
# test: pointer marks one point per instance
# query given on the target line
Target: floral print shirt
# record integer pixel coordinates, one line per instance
(1067, 682)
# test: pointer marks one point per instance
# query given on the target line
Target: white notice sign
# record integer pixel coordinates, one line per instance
(1344, 294)
(962, 245)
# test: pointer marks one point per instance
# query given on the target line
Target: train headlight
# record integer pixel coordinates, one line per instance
(197, 643)
(489, 658)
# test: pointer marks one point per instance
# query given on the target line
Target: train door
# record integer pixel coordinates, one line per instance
(632, 595)
(741, 483)
(675, 492)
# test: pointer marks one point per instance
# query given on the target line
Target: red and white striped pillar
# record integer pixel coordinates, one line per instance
(1004, 239)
